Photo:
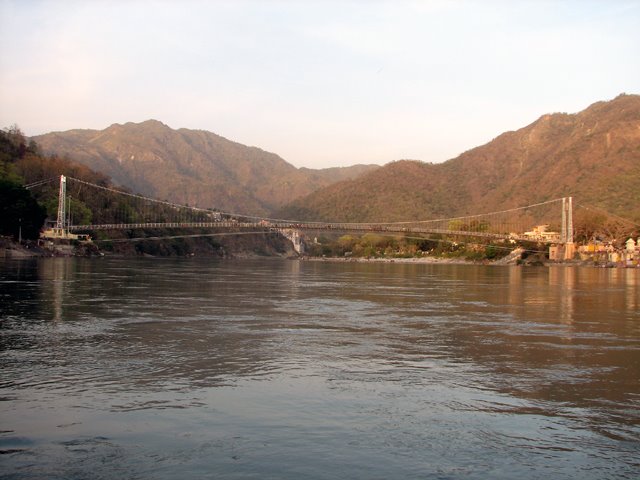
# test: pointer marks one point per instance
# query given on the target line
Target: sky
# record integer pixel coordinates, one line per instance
(320, 83)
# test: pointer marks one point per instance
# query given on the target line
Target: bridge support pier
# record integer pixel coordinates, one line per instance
(295, 238)
(561, 252)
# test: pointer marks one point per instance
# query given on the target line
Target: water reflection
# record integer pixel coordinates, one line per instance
(57, 277)
(564, 280)
(404, 354)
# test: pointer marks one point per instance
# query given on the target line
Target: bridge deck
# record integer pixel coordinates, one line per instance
(346, 227)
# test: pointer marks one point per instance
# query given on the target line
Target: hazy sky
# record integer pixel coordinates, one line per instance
(321, 83)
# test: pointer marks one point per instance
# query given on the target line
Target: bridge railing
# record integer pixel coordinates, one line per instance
(313, 226)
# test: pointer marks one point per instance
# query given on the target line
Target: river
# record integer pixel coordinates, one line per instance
(274, 369)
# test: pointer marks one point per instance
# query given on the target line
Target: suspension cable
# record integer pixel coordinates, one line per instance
(280, 220)
(625, 220)
(41, 182)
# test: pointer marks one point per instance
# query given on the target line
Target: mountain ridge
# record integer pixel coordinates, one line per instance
(193, 167)
(593, 155)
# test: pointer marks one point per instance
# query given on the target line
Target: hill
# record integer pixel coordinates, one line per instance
(593, 155)
(23, 212)
(193, 167)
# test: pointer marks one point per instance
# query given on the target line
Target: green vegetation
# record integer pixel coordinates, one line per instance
(20, 213)
(373, 245)
(24, 210)
(22, 163)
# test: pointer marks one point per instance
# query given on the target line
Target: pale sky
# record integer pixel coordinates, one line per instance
(320, 83)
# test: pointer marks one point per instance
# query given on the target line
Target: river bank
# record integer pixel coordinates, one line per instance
(10, 249)
(245, 248)
(517, 256)
(224, 246)
(15, 250)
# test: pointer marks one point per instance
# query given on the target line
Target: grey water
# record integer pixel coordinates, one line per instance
(273, 369)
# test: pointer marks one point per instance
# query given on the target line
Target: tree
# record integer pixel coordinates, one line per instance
(13, 144)
(346, 243)
(19, 211)
(80, 213)
(478, 226)
(588, 224)
(457, 225)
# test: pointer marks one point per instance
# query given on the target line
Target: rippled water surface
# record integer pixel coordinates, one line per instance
(167, 369)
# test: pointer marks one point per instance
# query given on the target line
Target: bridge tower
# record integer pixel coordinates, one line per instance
(566, 235)
(62, 210)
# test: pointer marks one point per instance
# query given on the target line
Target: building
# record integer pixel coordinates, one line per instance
(630, 245)
(608, 254)
(541, 233)
(62, 234)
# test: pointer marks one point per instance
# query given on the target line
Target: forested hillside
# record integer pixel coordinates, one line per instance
(23, 211)
(22, 163)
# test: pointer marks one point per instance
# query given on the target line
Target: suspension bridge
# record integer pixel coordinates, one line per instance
(112, 209)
